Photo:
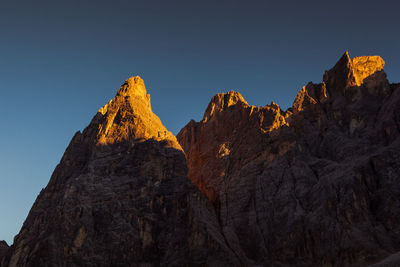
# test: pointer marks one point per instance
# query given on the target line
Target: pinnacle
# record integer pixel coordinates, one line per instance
(228, 99)
(365, 66)
(128, 116)
(222, 101)
(133, 86)
(349, 72)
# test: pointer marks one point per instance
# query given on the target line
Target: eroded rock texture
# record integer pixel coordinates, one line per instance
(3, 249)
(120, 197)
(317, 185)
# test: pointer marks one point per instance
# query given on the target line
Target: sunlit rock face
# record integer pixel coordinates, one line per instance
(210, 141)
(357, 77)
(317, 185)
(120, 197)
(128, 116)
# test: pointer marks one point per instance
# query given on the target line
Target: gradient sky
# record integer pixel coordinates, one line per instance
(62, 60)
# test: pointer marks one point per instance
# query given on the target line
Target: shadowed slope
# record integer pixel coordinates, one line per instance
(3, 249)
(120, 197)
(316, 185)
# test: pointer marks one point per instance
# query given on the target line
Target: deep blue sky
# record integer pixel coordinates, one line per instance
(61, 60)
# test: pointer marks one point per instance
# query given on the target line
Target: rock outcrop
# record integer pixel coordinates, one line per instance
(129, 116)
(3, 249)
(316, 185)
(120, 197)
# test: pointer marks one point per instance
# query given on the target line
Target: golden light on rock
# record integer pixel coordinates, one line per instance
(365, 66)
(128, 116)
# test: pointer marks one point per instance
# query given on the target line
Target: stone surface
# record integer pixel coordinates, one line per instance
(128, 116)
(3, 249)
(120, 197)
(317, 185)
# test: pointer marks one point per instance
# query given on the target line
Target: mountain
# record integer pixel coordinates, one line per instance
(120, 197)
(316, 185)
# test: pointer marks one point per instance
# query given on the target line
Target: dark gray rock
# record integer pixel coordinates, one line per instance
(317, 185)
(3, 249)
(120, 197)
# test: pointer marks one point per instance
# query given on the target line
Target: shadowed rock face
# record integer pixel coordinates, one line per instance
(317, 185)
(3, 249)
(228, 125)
(120, 197)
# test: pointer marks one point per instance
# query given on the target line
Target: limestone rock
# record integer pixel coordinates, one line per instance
(365, 66)
(317, 185)
(210, 142)
(120, 197)
(128, 116)
(355, 77)
(3, 249)
(308, 96)
(221, 102)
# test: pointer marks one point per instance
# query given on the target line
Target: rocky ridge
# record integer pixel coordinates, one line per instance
(316, 185)
(120, 197)
(129, 116)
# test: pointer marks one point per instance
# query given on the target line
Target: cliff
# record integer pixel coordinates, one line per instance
(3, 249)
(120, 197)
(316, 185)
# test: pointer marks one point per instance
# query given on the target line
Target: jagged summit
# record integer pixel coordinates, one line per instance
(346, 78)
(221, 102)
(210, 141)
(366, 66)
(128, 116)
(348, 81)
(361, 67)
(120, 197)
(134, 86)
(364, 71)
(316, 185)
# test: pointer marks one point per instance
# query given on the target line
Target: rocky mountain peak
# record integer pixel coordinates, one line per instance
(229, 124)
(223, 101)
(128, 116)
(366, 66)
(120, 197)
(287, 185)
(134, 86)
(360, 71)
(316, 185)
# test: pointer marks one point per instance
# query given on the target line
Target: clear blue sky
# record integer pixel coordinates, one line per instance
(61, 60)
